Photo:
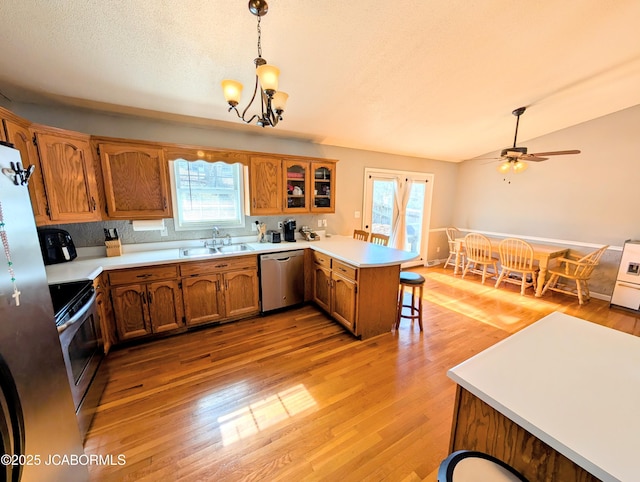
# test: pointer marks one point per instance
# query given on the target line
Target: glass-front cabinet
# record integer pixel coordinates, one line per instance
(323, 200)
(296, 182)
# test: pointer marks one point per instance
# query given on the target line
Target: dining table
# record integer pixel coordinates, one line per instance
(542, 253)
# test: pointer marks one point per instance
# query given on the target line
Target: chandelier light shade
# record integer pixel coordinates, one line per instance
(272, 101)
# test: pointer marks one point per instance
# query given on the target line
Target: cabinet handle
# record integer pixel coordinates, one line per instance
(164, 200)
(217, 285)
(93, 204)
(143, 276)
(221, 265)
(226, 284)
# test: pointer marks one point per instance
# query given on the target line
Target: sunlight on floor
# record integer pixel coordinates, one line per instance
(455, 303)
(257, 416)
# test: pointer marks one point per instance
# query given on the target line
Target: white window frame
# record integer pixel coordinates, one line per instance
(181, 225)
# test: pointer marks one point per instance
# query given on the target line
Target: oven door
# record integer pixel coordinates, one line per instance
(81, 349)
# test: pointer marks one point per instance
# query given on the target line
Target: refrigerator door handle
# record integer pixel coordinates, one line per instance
(628, 285)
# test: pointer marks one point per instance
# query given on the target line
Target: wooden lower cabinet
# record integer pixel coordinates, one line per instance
(150, 305)
(363, 300)
(105, 312)
(220, 290)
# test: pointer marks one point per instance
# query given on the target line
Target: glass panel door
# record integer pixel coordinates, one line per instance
(396, 201)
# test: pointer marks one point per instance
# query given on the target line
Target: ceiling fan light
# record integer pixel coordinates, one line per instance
(268, 75)
(520, 166)
(232, 91)
(504, 167)
(280, 101)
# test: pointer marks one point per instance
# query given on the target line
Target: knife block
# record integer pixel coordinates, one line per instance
(114, 248)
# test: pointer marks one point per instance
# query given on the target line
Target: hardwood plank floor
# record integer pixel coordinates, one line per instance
(292, 396)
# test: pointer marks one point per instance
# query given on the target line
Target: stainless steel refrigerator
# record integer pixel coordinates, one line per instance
(40, 436)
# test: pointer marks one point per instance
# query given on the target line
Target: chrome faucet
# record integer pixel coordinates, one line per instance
(214, 236)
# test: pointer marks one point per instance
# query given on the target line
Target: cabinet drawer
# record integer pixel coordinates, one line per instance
(209, 266)
(345, 270)
(137, 275)
(322, 259)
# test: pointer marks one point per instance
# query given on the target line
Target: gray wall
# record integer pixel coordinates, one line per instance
(350, 168)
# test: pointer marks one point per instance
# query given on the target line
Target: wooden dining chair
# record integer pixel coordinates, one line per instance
(377, 238)
(361, 235)
(478, 253)
(454, 251)
(516, 256)
(574, 269)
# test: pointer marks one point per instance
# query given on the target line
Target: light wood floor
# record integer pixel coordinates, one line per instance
(293, 397)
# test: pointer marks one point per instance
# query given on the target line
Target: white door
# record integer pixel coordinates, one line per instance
(398, 204)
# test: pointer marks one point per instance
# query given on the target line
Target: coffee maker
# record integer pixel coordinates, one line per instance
(289, 228)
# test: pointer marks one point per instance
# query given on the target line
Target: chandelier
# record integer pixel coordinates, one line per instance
(272, 101)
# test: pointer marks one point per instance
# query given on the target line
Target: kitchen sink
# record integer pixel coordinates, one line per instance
(198, 251)
(201, 251)
(234, 248)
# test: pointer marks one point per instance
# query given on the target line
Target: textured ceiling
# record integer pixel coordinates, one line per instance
(427, 78)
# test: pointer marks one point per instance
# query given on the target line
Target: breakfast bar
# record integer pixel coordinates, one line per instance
(557, 401)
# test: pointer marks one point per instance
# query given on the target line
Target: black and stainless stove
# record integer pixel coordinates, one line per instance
(78, 325)
(69, 298)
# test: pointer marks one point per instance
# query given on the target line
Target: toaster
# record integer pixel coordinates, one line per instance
(273, 236)
(56, 246)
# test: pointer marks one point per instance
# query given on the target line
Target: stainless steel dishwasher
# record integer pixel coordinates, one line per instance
(281, 279)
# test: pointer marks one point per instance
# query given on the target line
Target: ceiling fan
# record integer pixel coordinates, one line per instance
(514, 157)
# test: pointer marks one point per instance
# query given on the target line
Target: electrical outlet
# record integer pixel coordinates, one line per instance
(319, 223)
(324, 223)
(279, 224)
(254, 228)
(438, 249)
(356, 214)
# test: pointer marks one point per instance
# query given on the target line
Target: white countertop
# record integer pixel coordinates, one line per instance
(573, 384)
(357, 253)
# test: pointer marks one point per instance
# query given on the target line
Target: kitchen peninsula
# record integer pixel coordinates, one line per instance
(557, 401)
(353, 281)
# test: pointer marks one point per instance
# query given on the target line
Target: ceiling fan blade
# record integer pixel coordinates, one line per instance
(533, 158)
(555, 153)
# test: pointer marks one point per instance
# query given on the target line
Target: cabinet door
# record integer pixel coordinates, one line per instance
(136, 181)
(322, 287)
(265, 181)
(241, 293)
(130, 311)
(164, 301)
(22, 138)
(324, 187)
(69, 177)
(203, 301)
(343, 302)
(296, 186)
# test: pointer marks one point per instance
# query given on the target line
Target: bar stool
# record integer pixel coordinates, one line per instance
(414, 280)
(470, 465)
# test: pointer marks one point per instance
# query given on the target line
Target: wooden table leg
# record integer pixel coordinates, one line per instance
(542, 275)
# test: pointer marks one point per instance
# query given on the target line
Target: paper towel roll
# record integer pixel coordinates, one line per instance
(148, 225)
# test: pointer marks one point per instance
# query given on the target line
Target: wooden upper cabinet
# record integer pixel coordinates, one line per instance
(69, 176)
(296, 186)
(265, 185)
(19, 134)
(323, 198)
(136, 181)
